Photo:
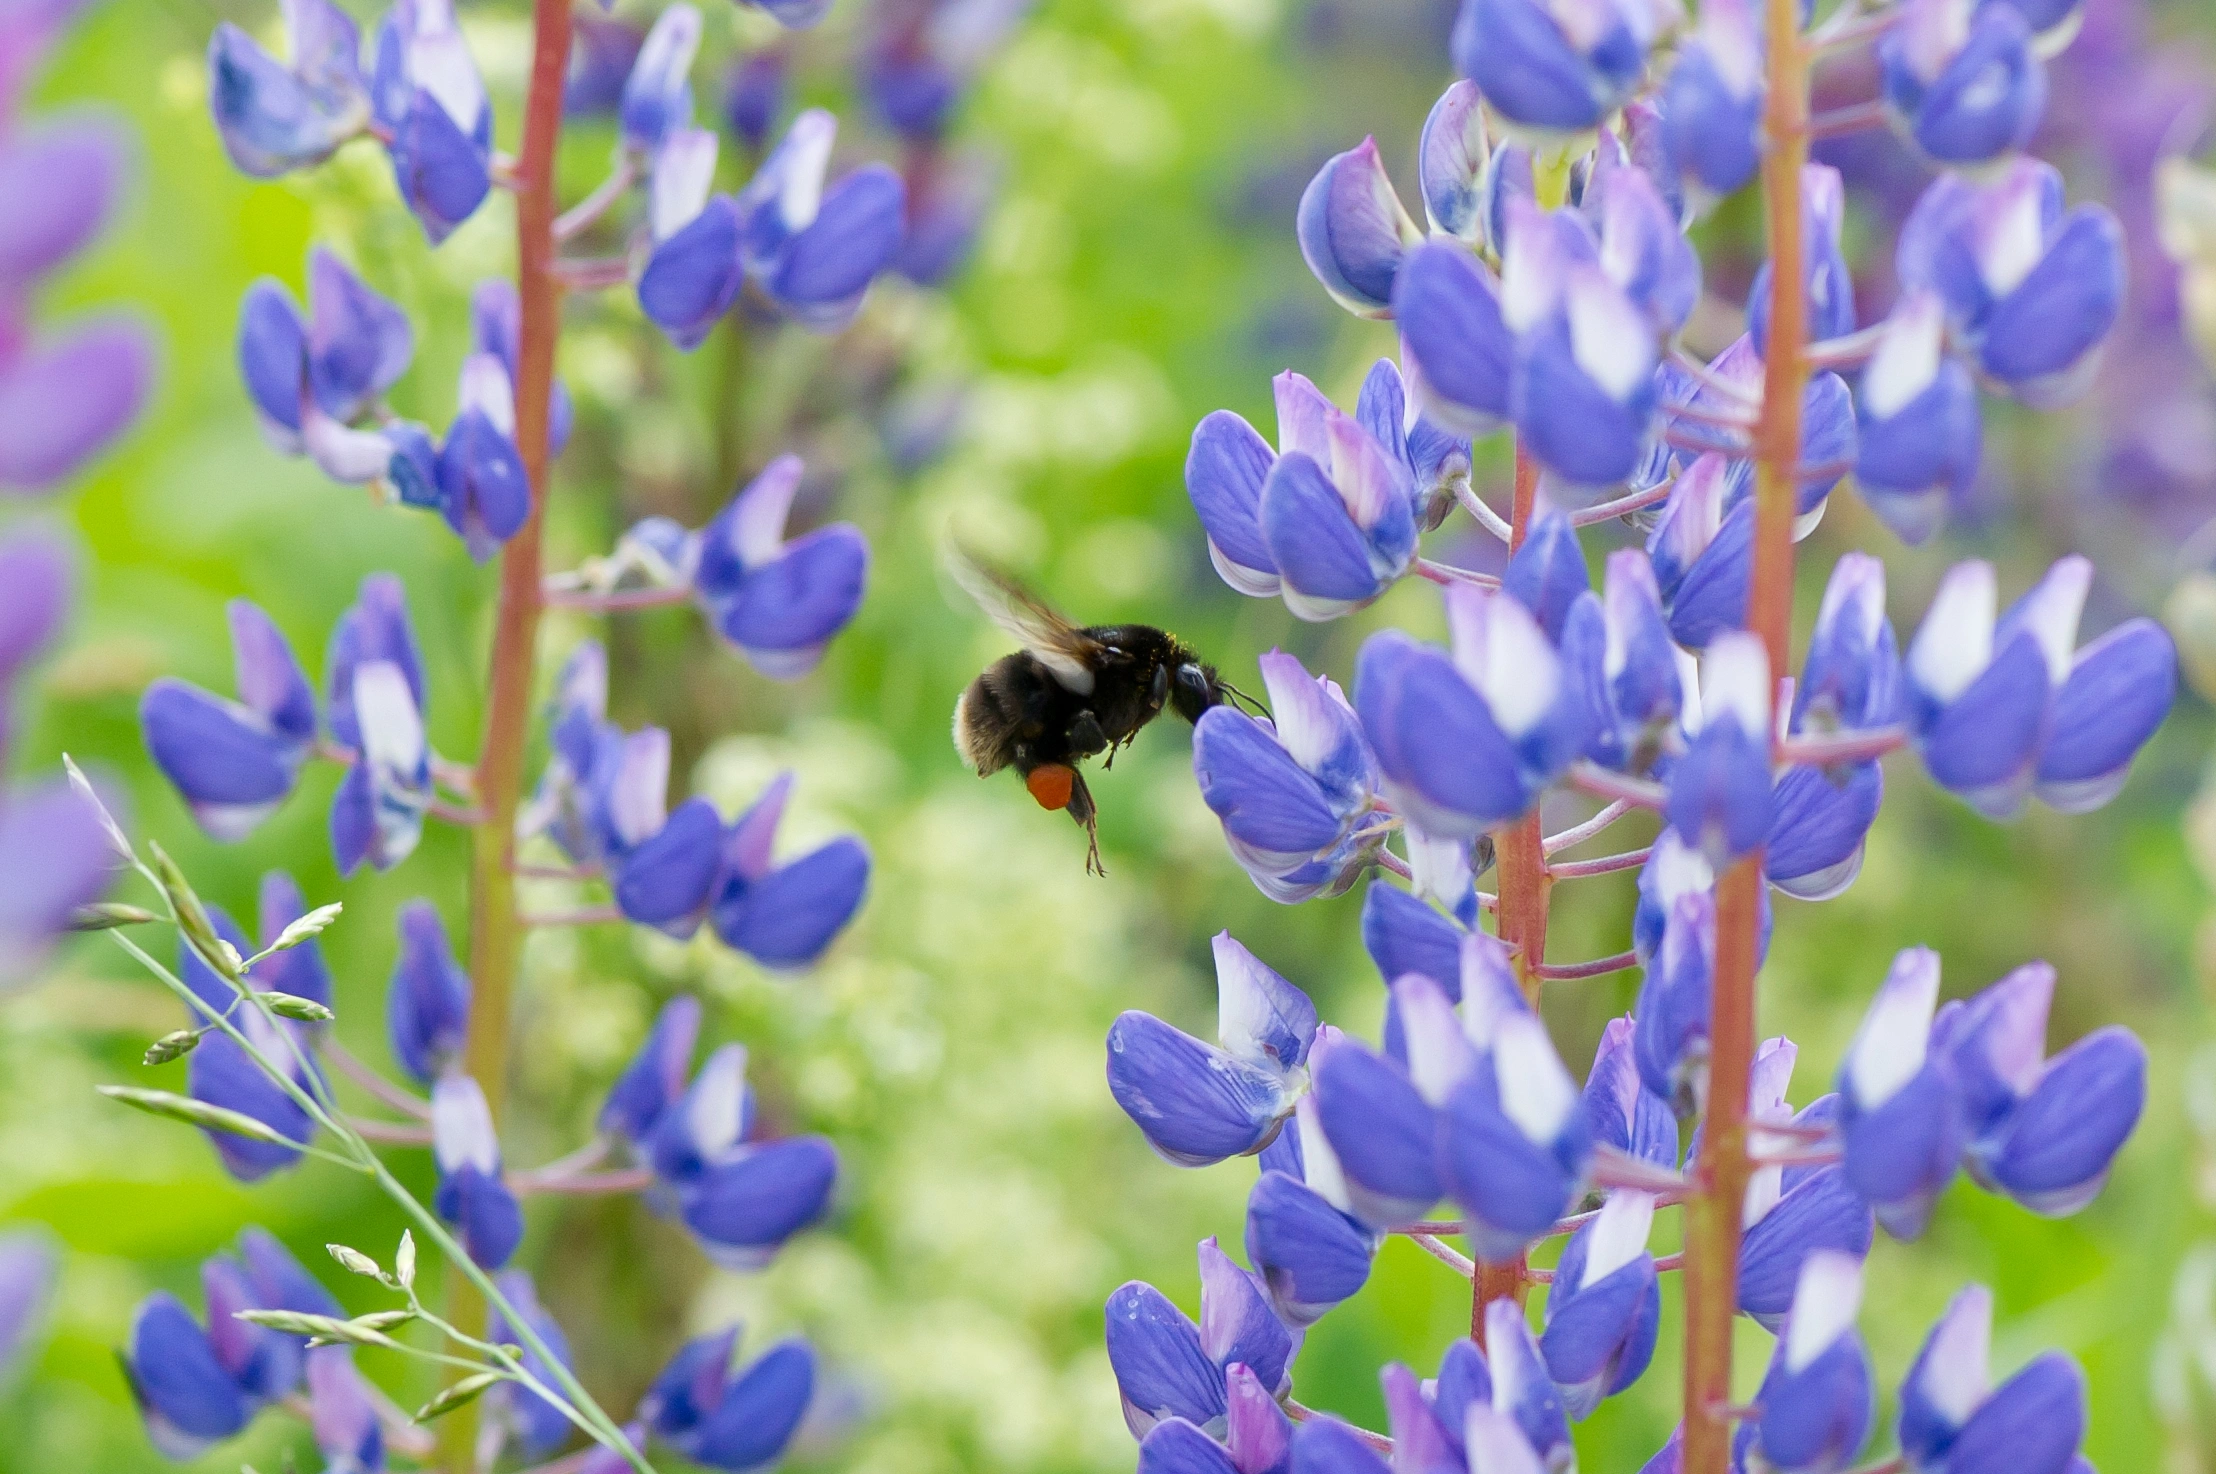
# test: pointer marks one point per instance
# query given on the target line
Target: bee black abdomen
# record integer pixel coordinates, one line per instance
(1007, 715)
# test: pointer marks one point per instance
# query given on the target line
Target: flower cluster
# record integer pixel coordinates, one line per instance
(1547, 291)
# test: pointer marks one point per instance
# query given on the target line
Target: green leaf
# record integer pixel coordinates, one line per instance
(466, 1391)
(196, 1113)
(173, 1046)
(287, 1005)
(104, 915)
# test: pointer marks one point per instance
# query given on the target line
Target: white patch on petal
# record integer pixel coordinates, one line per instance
(683, 173)
(1496, 1443)
(1438, 868)
(2015, 1034)
(715, 1107)
(638, 799)
(758, 518)
(1248, 998)
(1531, 269)
(1678, 870)
(1301, 413)
(342, 453)
(461, 1126)
(1610, 339)
(1907, 356)
(1439, 1057)
(1765, 1185)
(1319, 1164)
(1727, 34)
(1505, 656)
(1489, 991)
(1825, 1303)
(1535, 1091)
(1309, 723)
(1932, 31)
(2013, 241)
(1773, 1073)
(1619, 1234)
(667, 53)
(799, 166)
(485, 388)
(1890, 1047)
(1957, 1374)
(1855, 592)
(1954, 644)
(1735, 682)
(2051, 612)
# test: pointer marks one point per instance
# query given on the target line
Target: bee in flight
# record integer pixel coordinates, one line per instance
(1070, 693)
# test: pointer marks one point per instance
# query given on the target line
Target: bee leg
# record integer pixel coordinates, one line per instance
(1086, 736)
(1082, 810)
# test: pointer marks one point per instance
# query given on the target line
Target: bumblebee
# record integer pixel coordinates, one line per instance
(1072, 692)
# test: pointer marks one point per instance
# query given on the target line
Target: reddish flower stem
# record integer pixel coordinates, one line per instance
(1522, 918)
(495, 934)
(1712, 1228)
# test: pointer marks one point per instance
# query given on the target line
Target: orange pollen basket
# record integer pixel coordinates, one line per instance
(1050, 784)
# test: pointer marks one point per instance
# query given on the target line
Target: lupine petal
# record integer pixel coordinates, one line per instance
(1196, 1103)
(744, 1208)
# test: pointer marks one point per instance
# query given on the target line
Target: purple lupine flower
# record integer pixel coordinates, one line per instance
(300, 969)
(1624, 1113)
(730, 1422)
(1673, 871)
(1953, 1420)
(1460, 352)
(813, 249)
(1325, 1445)
(1167, 1366)
(693, 272)
(341, 1414)
(35, 571)
(274, 117)
(602, 51)
(471, 1194)
(2118, 690)
(1917, 413)
(186, 1397)
(1526, 1405)
(2031, 289)
(1670, 1032)
(1551, 66)
(1437, 459)
(311, 380)
(54, 857)
(1819, 818)
(1720, 789)
(667, 879)
(427, 94)
(1703, 558)
(657, 97)
(1641, 690)
(1293, 790)
(65, 399)
(1962, 80)
(28, 1268)
(917, 56)
(1791, 1213)
(603, 792)
(2043, 1131)
(1468, 743)
(1451, 159)
(483, 490)
(234, 762)
(373, 707)
(1434, 1415)
(222, 1073)
(1200, 1103)
(784, 915)
(1830, 290)
(539, 1427)
(1257, 1436)
(1900, 1108)
(1817, 1398)
(1328, 522)
(655, 1078)
(1642, 244)
(1353, 230)
(1403, 935)
(1712, 102)
(948, 197)
(274, 1280)
(779, 602)
(427, 1002)
(61, 179)
(1604, 1307)
(754, 94)
(1302, 1235)
(742, 1199)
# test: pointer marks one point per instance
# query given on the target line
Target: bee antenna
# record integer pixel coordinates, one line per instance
(1238, 695)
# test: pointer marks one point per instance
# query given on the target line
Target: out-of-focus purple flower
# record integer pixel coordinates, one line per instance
(948, 195)
(1604, 1307)
(1817, 1399)
(184, 1393)
(1712, 102)
(1720, 790)
(1641, 689)
(234, 762)
(1791, 1213)
(1292, 791)
(2031, 289)
(1962, 80)
(310, 380)
(28, 1266)
(1199, 1103)
(1257, 1436)
(735, 1423)
(602, 51)
(1670, 1034)
(427, 1001)
(221, 1073)
(539, 1427)
(275, 116)
(693, 272)
(785, 915)
(1354, 230)
(2043, 1131)
(1829, 299)
(484, 493)
(603, 791)
(1328, 522)
(54, 857)
(657, 97)
(813, 249)
(373, 707)
(341, 1414)
(740, 1198)
(754, 95)
(1954, 1421)
(66, 398)
(1623, 1112)
(1917, 411)
(655, 1078)
(471, 1194)
(61, 178)
(426, 92)
(1900, 1108)
(1167, 1367)
(1554, 66)
(917, 56)
(1469, 742)
(1325, 1445)
(779, 602)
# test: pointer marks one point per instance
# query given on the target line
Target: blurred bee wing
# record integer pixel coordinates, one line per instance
(1053, 641)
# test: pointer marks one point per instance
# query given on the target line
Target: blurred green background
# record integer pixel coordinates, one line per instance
(1137, 272)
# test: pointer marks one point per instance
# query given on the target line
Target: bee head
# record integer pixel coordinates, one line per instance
(1194, 688)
